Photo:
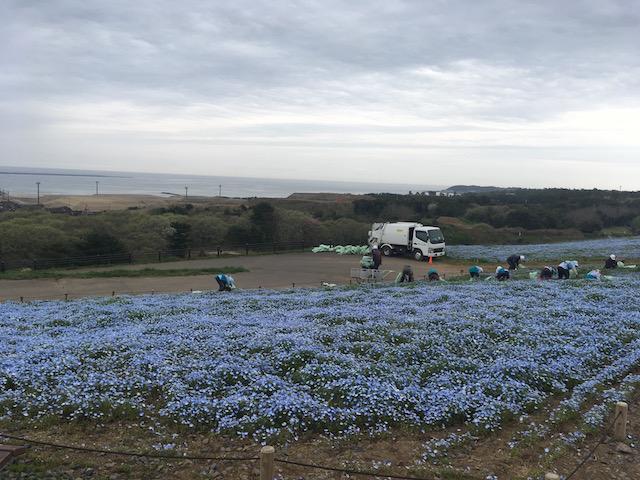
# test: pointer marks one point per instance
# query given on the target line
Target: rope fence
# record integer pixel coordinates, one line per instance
(619, 425)
(268, 459)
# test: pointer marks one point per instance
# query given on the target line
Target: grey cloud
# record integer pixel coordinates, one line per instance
(428, 66)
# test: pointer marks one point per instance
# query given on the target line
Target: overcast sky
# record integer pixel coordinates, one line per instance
(511, 93)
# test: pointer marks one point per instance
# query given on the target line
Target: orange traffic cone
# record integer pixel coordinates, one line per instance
(430, 260)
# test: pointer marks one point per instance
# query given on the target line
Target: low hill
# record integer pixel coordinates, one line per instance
(474, 189)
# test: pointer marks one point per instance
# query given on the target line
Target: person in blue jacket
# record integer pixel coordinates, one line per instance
(475, 271)
(433, 275)
(226, 283)
(566, 267)
(594, 275)
(502, 274)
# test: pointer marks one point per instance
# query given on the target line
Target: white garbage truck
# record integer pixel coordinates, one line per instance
(402, 238)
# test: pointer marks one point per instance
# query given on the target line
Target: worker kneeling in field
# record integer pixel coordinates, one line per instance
(611, 262)
(475, 271)
(502, 274)
(594, 275)
(514, 261)
(226, 283)
(547, 273)
(566, 268)
(433, 275)
(406, 275)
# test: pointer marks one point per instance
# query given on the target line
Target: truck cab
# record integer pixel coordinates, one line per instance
(427, 242)
(402, 238)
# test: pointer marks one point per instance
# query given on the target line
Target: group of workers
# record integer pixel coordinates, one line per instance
(564, 270)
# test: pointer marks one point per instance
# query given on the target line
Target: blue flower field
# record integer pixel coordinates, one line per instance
(338, 362)
(624, 248)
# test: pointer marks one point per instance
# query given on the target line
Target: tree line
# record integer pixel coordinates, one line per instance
(503, 216)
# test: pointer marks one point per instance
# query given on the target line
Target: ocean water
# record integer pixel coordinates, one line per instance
(21, 182)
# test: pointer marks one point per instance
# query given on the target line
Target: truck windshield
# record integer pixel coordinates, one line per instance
(436, 236)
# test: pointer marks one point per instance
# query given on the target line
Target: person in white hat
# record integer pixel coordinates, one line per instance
(611, 262)
(514, 261)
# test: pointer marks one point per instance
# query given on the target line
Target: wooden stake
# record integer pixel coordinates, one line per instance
(620, 425)
(267, 455)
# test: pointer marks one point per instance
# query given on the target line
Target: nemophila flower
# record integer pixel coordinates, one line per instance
(336, 362)
(626, 247)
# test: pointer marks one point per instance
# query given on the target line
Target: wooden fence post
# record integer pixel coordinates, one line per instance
(267, 455)
(246, 249)
(66, 297)
(620, 425)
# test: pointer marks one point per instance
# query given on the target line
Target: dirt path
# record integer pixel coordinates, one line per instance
(265, 271)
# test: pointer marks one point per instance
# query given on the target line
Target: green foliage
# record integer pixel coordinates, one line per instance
(504, 216)
(116, 273)
(180, 239)
(263, 223)
(101, 243)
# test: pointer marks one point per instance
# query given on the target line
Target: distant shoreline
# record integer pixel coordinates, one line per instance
(62, 174)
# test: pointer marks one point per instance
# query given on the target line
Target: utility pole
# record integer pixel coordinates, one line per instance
(97, 182)
(219, 190)
(38, 194)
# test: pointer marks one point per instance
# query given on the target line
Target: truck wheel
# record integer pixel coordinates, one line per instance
(417, 254)
(386, 251)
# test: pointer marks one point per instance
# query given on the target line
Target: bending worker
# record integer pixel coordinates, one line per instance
(547, 273)
(594, 275)
(226, 283)
(514, 261)
(502, 274)
(566, 268)
(406, 275)
(432, 275)
(611, 262)
(475, 271)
